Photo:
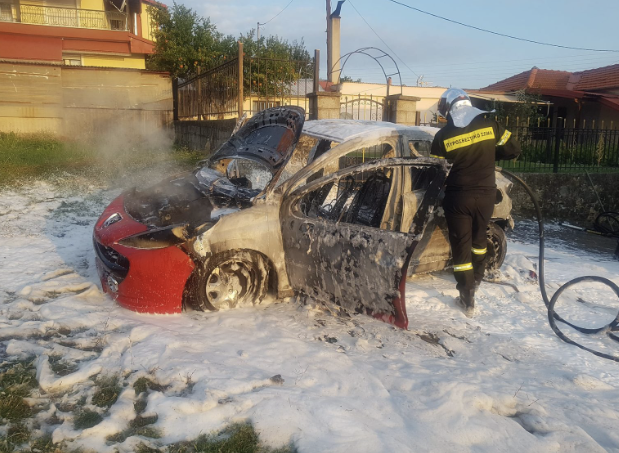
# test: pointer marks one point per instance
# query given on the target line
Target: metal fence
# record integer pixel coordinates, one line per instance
(565, 150)
(264, 83)
(211, 95)
(64, 17)
(272, 82)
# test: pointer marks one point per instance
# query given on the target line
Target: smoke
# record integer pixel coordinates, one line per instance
(127, 152)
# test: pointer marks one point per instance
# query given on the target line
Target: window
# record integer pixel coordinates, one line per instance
(350, 199)
(72, 60)
(417, 181)
(299, 158)
(367, 154)
(420, 147)
(6, 12)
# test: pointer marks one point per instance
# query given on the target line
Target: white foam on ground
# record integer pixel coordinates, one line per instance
(500, 381)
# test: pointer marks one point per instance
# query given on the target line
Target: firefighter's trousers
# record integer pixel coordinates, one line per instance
(468, 214)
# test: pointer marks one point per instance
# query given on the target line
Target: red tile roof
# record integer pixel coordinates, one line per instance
(513, 83)
(564, 84)
(550, 80)
(534, 78)
(603, 78)
(595, 79)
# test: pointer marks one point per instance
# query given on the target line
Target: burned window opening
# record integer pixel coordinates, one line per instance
(367, 154)
(358, 199)
(414, 192)
(420, 147)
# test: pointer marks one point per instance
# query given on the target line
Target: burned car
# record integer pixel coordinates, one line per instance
(339, 210)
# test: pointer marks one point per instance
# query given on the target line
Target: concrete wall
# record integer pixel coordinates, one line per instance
(77, 102)
(568, 197)
(203, 135)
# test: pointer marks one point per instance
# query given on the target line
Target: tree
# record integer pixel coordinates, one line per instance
(184, 41)
(527, 109)
(349, 79)
(275, 64)
(187, 44)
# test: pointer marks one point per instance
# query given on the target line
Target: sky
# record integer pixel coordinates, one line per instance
(431, 50)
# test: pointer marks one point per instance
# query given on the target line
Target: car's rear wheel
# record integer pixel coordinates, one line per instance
(228, 280)
(496, 247)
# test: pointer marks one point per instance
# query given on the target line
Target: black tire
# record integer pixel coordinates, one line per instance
(227, 280)
(496, 247)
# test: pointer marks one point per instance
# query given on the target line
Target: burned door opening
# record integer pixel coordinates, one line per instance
(342, 236)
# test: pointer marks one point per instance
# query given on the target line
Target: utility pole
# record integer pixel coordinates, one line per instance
(333, 43)
(258, 37)
(329, 56)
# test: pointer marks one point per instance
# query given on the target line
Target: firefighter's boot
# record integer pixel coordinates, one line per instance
(467, 302)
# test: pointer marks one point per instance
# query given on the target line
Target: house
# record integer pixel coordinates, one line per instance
(94, 33)
(585, 99)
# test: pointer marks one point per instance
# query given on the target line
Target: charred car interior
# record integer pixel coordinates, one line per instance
(339, 210)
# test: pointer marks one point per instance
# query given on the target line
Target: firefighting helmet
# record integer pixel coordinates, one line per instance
(450, 98)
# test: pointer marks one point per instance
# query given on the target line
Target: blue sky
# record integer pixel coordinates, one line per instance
(445, 54)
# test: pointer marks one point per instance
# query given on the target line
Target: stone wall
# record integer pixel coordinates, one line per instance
(566, 196)
(203, 135)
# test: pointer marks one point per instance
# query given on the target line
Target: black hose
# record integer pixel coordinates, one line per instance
(607, 223)
(553, 317)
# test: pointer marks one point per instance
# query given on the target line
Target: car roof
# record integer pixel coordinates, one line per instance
(343, 130)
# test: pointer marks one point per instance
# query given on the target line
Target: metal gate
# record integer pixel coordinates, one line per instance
(358, 108)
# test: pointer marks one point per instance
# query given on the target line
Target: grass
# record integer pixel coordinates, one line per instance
(62, 367)
(537, 167)
(108, 390)
(237, 438)
(139, 426)
(43, 444)
(41, 155)
(86, 419)
(144, 384)
(16, 435)
(17, 379)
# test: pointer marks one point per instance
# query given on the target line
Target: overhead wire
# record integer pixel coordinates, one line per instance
(501, 34)
(382, 40)
(493, 70)
(277, 13)
(527, 59)
(507, 64)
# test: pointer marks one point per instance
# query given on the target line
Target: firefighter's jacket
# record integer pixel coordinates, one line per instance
(473, 151)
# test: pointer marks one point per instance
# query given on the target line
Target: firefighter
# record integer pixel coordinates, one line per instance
(472, 142)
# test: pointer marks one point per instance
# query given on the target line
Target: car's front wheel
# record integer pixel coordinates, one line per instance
(230, 279)
(496, 247)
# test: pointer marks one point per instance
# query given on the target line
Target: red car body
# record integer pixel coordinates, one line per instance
(156, 278)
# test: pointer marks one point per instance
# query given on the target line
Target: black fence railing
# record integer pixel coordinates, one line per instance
(559, 150)
(212, 95)
(265, 83)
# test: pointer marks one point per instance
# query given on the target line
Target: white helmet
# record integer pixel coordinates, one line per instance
(450, 98)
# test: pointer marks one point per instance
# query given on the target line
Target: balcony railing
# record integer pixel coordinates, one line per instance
(64, 17)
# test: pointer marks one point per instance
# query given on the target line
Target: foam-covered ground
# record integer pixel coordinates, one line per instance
(500, 381)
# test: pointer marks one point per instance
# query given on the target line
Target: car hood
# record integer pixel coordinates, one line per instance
(269, 138)
(192, 199)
